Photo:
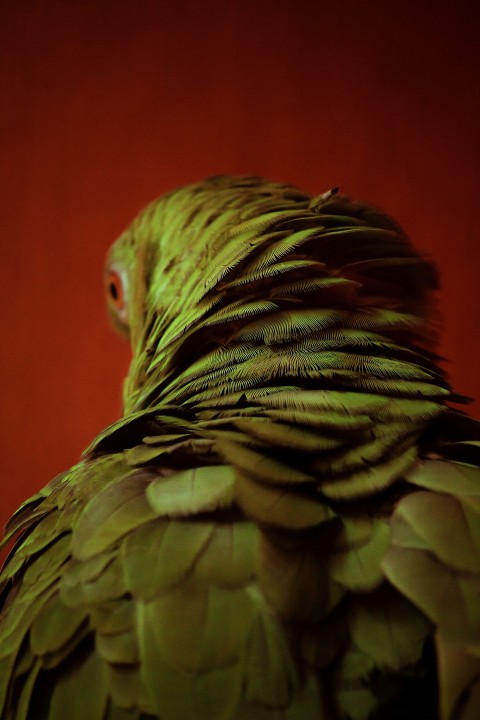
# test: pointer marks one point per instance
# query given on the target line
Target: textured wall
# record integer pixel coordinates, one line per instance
(106, 104)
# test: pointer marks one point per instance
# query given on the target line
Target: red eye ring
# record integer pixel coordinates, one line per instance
(114, 289)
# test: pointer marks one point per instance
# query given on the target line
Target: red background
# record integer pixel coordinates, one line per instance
(107, 104)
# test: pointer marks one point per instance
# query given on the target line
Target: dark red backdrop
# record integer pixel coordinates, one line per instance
(106, 104)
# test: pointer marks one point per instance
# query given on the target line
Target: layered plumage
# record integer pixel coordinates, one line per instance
(286, 522)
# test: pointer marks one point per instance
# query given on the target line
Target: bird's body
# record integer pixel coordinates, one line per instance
(285, 525)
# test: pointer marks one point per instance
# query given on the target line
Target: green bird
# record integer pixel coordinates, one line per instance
(285, 523)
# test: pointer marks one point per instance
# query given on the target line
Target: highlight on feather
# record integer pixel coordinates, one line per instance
(319, 201)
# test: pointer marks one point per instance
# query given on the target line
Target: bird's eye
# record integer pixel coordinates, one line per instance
(114, 290)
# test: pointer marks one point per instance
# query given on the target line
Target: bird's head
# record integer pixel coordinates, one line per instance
(205, 248)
